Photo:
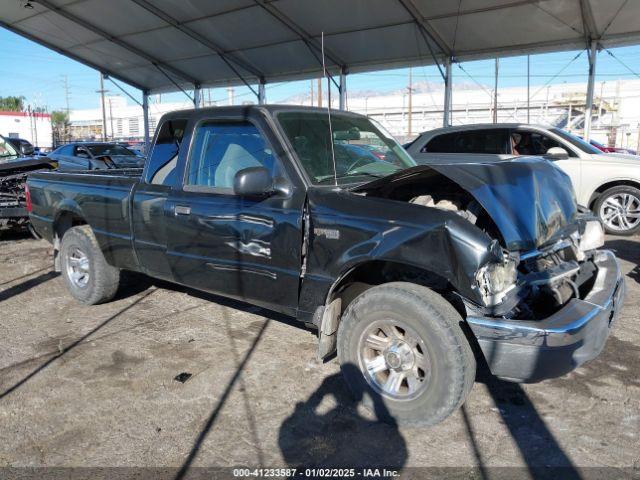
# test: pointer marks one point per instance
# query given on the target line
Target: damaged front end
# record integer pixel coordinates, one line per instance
(547, 303)
(13, 176)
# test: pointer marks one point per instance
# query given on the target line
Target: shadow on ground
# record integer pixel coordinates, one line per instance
(543, 456)
(328, 431)
(627, 250)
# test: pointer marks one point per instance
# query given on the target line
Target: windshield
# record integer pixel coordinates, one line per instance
(100, 150)
(575, 141)
(6, 150)
(363, 150)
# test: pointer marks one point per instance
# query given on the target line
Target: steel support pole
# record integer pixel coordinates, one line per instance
(262, 94)
(145, 121)
(495, 92)
(197, 97)
(528, 89)
(343, 90)
(447, 93)
(593, 52)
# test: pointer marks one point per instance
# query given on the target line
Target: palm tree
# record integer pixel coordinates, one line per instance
(12, 103)
(60, 124)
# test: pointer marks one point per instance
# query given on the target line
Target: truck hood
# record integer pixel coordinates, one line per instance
(23, 164)
(529, 199)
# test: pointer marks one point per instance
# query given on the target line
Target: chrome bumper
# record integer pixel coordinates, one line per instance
(533, 350)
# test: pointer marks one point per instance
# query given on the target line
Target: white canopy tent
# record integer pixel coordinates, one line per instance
(166, 45)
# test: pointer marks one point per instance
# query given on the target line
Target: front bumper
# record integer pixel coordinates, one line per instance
(533, 350)
(13, 212)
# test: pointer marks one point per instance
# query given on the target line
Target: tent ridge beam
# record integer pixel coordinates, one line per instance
(304, 36)
(198, 37)
(425, 26)
(107, 36)
(589, 25)
(77, 58)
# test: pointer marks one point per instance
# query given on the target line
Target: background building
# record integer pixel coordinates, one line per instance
(34, 127)
(616, 119)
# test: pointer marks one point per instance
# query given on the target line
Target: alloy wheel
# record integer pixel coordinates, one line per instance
(78, 269)
(620, 212)
(394, 359)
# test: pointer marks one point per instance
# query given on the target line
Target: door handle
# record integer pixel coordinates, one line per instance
(182, 210)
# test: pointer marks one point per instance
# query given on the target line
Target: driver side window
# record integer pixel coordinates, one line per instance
(220, 150)
(535, 143)
(80, 151)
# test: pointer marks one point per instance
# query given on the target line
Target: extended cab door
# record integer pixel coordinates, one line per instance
(148, 215)
(245, 248)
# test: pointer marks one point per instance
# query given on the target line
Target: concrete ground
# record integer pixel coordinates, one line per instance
(95, 387)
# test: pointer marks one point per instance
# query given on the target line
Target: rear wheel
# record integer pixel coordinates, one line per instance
(619, 210)
(88, 276)
(403, 353)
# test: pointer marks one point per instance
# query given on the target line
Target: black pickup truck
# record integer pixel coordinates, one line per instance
(410, 272)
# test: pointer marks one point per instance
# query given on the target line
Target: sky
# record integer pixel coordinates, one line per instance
(39, 74)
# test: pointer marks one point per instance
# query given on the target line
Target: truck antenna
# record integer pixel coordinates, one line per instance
(333, 153)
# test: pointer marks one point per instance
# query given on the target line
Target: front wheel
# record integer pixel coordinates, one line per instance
(619, 210)
(88, 276)
(404, 355)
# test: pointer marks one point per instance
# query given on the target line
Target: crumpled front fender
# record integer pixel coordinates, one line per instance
(348, 230)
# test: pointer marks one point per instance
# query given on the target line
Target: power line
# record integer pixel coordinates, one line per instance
(556, 75)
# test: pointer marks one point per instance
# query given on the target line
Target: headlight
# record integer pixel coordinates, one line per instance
(495, 280)
(593, 236)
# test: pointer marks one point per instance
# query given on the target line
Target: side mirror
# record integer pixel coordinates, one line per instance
(556, 153)
(253, 182)
(26, 149)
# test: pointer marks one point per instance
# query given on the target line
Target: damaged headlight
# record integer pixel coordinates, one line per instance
(496, 279)
(593, 236)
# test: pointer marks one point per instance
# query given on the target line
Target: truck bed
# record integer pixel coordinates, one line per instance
(101, 198)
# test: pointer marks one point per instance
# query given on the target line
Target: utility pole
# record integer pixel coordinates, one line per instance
(65, 79)
(111, 118)
(320, 91)
(410, 88)
(104, 113)
(230, 95)
(495, 93)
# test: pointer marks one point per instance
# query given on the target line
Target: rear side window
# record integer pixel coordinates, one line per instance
(66, 150)
(493, 141)
(440, 144)
(220, 150)
(161, 165)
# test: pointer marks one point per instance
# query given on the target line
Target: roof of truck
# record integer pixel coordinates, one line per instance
(235, 110)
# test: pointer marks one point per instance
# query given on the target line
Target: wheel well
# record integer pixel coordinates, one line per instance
(370, 274)
(602, 188)
(65, 220)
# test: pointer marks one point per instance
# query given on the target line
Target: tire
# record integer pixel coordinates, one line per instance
(444, 355)
(628, 198)
(87, 275)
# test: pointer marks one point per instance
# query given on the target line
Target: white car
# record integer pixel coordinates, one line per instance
(606, 183)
